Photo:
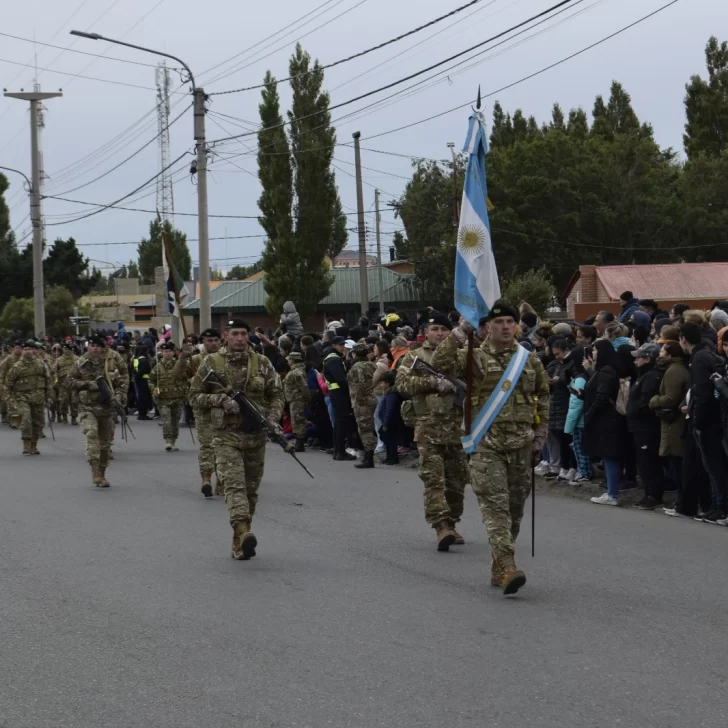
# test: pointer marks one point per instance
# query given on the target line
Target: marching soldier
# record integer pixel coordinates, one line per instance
(211, 342)
(363, 400)
(29, 389)
(97, 385)
(169, 382)
(56, 352)
(9, 414)
(510, 404)
(64, 398)
(297, 394)
(239, 447)
(115, 363)
(443, 467)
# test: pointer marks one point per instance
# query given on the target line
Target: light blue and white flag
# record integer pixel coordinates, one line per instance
(476, 278)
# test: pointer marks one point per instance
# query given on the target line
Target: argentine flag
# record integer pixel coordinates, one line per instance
(476, 278)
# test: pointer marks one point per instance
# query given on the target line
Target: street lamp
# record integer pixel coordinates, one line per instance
(201, 149)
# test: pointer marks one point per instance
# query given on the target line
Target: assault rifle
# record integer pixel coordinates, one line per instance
(419, 365)
(249, 409)
(106, 396)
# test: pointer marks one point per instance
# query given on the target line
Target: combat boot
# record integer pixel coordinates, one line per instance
(74, 421)
(496, 572)
(34, 448)
(168, 446)
(367, 461)
(244, 541)
(173, 443)
(96, 477)
(445, 535)
(300, 445)
(206, 489)
(103, 464)
(513, 578)
(26, 447)
(51, 416)
(459, 538)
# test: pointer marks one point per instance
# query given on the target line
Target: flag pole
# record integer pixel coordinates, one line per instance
(174, 281)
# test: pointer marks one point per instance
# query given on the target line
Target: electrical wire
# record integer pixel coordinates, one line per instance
(356, 55)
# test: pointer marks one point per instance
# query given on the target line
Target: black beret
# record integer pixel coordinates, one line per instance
(97, 340)
(211, 334)
(340, 340)
(501, 311)
(169, 346)
(440, 319)
(238, 324)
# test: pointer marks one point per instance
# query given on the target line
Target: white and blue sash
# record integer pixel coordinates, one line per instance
(499, 396)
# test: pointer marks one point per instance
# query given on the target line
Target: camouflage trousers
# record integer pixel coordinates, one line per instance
(297, 411)
(98, 429)
(205, 454)
(10, 414)
(65, 401)
(170, 413)
(443, 469)
(239, 460)
(32, 419)
(501, 482)
(364, 415)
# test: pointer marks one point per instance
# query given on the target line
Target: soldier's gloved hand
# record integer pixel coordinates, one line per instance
(536, 452)
(445, 387)
(231, 406)
(92, 386)
(278, 429)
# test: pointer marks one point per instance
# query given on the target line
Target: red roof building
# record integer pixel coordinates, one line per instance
(595, 288)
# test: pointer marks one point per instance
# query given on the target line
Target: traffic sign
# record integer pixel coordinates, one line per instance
(80, 320)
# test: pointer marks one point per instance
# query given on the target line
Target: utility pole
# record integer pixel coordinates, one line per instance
(363, 280)
(36, 216)
(199, 166)
(202, 211)
(379, 253)
(455, 205)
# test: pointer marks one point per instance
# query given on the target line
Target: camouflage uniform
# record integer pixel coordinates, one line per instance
(363, 400)
(443, 467)
(64, 399)
(116, 364)
(169, 384)
(205, 453)
(97, 418)
(500, 467)
(239, 455)
(29, 389)
(9, 413)
(297, 394)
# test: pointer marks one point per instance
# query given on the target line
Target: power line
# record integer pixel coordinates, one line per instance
(74, 50)
(242, 65)
(357, 55)
(189, 240)
(410, 76)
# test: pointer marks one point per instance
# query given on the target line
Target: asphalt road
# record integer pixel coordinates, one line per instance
(123, 609)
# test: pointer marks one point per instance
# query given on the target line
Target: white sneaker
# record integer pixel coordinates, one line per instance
(605, 500)
(572, 475)
(542, 468)
(722, 521)
(563, 474)
(674, 513)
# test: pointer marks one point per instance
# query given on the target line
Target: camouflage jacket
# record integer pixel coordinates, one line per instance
(117, 363)
(61, 367)
(247, 371)
(5, 367)
(361, 384)
(525, 414)
(169, 380)
(28, 381)
(295, 385)
(438, 420)
(82, 378)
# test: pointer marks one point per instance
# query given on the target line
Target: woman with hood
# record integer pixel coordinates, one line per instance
(291, 320)
(605, 430)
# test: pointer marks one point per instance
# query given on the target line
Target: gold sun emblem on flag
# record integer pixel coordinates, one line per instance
(471, 239)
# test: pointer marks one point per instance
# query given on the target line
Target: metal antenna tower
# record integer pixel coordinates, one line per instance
(165, 192)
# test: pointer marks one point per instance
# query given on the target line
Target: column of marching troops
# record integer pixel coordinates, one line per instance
(93, 387)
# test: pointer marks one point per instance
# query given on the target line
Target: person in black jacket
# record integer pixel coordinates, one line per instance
(559, 407)
(643, 425)
(704, 422)
(605, 431)
(335, 375)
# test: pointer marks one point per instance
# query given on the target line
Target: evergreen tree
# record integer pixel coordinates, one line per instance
(150, 252)
(557, 118)
(65, 266)
(706, 105)
(301, 211)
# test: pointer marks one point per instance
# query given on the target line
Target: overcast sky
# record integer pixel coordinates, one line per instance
(653, 60)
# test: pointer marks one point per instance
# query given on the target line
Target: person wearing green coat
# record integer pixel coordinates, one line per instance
(673, 388)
